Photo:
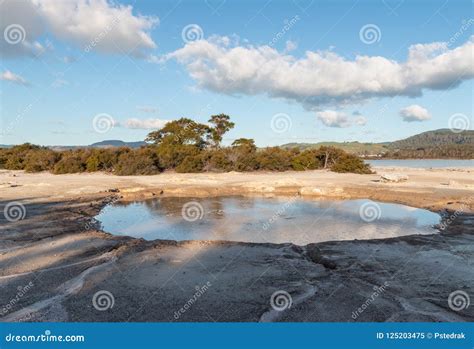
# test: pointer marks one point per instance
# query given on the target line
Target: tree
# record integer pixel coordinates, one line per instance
(243, 155)
(245, 144)
(221, 126)
(180, 132)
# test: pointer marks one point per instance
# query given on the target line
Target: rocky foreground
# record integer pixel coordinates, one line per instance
(56, 264)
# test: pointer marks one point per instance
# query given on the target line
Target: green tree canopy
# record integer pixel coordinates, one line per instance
(222, 124)
(244, 144)
(180, 132)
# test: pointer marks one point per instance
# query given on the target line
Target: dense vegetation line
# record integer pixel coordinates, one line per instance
(183, 146)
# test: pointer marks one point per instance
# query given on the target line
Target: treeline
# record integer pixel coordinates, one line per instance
(443, 151)
(437, 144)
(183, 146)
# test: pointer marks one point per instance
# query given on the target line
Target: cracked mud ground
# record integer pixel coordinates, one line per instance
(67, 261)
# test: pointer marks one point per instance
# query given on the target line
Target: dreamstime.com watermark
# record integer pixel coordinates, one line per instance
(192, 211)
(22, 291)
(97, 39)
(459, 300)
(279, 213)
(45, 337)
(465, 25)
(288, 24)
(370, 211)
(281, 123)
(378, 290)
(191, 33)
(103, 300)
(281, 300)
(370, 34)
(459, 122)
(200, 290)
(447, 221)
(14, 34)
(103, 123)
(14, 211)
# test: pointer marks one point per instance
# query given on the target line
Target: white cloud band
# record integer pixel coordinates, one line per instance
(323, 77)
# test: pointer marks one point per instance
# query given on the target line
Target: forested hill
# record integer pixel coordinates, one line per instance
(435, 138)
(442, 143)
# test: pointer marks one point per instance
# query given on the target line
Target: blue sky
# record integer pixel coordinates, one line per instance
(145, 68)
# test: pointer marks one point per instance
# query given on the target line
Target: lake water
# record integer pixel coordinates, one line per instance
(264, 219)
(422, 163)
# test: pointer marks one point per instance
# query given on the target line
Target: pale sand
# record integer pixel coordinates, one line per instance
(425, 188)
(68, 259)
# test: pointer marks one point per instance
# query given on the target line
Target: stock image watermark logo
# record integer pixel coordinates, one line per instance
(463, 29)
(281, 123)
(459, 300)
(378, 290)
(192, 32)
(103, 123)
(370, 34)
(288, 24)
(370, 211)
(279, 213)
(103, 300)
(200, 290)
(459, 122)
(14, 211)
(192, 211)
(14, 34)
(22, 290)
(448, 220)
(100, 36)
(281, 300)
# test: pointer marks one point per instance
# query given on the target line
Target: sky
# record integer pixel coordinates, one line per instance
(75, 72)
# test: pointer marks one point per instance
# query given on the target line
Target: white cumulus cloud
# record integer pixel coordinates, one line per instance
(147, 124)
(17, 79)
(414, 113)
(333, 118)
(100, 25)
(323, 78)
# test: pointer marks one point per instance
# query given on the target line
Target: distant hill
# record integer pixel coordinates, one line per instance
(117, 143)
(103, 144)
(442, 143)
(358, 148)
(436, 137)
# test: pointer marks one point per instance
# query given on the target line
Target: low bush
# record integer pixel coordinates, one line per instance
(184, 146)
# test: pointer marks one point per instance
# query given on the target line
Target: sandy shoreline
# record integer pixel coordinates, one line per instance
(433, 189)
(68, 261)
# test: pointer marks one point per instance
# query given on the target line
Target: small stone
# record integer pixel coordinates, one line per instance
(393, 177)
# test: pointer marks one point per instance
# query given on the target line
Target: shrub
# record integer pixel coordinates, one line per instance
(351, 163)
(216, 160)
(16, 156)
(190, 164)
(41, 160)
(70, 163)
(305, 160)
(274, 159)
(142, 161)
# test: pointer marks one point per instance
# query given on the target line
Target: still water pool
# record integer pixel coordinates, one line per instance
(264, 219)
